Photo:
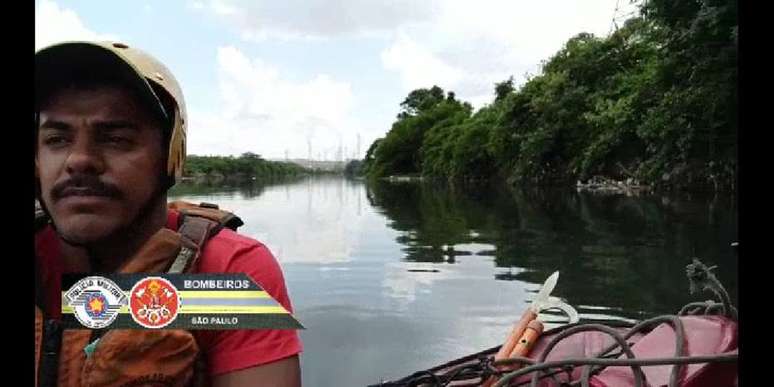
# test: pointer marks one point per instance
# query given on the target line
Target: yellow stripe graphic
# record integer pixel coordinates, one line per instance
(220, 294)
(205, 309)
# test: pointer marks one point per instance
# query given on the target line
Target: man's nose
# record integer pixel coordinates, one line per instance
(84, 157)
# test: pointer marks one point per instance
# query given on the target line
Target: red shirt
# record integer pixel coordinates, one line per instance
(226, 252)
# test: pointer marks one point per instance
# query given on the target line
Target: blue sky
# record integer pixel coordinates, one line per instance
(287, 77)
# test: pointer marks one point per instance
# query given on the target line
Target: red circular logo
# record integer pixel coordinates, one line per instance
(154, 302)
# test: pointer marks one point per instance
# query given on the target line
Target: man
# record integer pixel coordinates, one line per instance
(110, 142)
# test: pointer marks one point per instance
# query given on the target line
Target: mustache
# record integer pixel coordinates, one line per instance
(84, 185)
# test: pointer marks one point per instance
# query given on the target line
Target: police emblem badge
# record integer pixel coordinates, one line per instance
(95, 301)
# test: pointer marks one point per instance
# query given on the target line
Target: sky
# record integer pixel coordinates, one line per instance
(301, 78)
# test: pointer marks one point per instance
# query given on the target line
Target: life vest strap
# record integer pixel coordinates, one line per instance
(49, 354)
(208, 211)
(197, 225)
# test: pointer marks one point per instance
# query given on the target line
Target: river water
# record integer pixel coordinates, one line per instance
(391, 278)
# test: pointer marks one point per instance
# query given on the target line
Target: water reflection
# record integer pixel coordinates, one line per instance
(625, 253)
(309, 220)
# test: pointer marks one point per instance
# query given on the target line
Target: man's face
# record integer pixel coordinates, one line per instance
(98, 159)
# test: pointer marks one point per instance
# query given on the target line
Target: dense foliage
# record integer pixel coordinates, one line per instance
(353, 168)
(655, 101)
(248, 165)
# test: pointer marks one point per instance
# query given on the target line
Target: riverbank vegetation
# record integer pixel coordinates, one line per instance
(654, 102)
(245, 167)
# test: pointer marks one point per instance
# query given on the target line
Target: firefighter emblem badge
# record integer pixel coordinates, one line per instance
(95, 301)
(154, 302)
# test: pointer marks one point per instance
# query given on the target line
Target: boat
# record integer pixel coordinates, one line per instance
(697, 346)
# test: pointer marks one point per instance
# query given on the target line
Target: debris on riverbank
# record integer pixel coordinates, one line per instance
(603, 185)
(403, 178)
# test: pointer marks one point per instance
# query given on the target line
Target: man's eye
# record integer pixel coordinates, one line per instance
(54, 140)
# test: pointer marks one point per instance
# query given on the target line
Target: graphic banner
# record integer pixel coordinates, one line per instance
(170, 301)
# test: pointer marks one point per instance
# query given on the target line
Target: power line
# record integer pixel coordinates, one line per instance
(621, 16)
(613, 23)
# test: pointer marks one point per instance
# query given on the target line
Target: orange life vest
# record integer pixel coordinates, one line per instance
(124, 358)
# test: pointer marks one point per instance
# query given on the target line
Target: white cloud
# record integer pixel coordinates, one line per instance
(55, 24)
(316, 19)
(223, 8)
(469, 46)
(458, 44)
(418, 66)
(263, 111)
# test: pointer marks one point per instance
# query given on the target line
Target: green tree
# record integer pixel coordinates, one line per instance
(420, 100)
(503, 89)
